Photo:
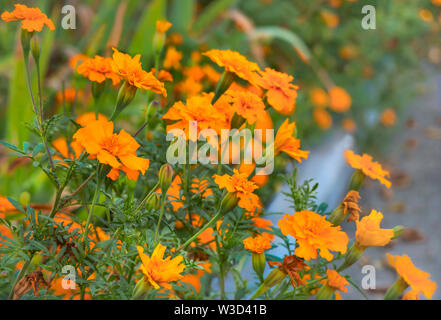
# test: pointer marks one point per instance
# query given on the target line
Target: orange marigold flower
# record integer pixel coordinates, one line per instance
(159, 272)
(5, 206)
(313, 233)
(200, 109)
(116, 150)
(322, 118)
(162, 26)
(336, 281)
(369, 233)
(425, 15)
(131, 71)
(195, 278)
(246, 104)
(330, 18)
(189, 87)
(369, 167)
(349, 125)
(76, 60)
(281, 93)
(163, 75)
(239, 184)
(87, 117)
(32, 19)
(417, 279)
(98, 69)
(62, 147)
(235, 63)
(388, 117)
(172, 58)
(257, 244)
(262, 223)
(348, 52)
(319, 97)
(69, 95)
(285, 142)
(339, 99)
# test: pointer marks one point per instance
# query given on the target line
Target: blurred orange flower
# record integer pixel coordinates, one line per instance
(69, 95)
(32, 19)
(116, 150)
(322, 118)
(313, 233)
(369, 167)
(339, 99)
(159, 272)
(172, 58)
(162, 26)
(257, 244)
(349, 125)
(286, 142)
(369, 233)
(417, 279)
(319, 97)
(330, 18)
(388, 117)
(281, 93)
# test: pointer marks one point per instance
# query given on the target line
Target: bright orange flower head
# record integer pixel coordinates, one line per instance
(285, 142)
(62, 147)
(199, 109)
(313, 233)
(130, 70)
(262, 223)
(159, 272)
(69, 95)
(162, 26)
(330, 18)
(239, 184)
(369, 167)
(32, 19)
(98, 69)
(235, 63)
(172, 58)
(369, 233)
(84, 119)
(417, 279)
(116, 150)
(281, 93)
(336, 281)
(322, 118)
(257, 244)
(319, 97)
(339, 99)
(246, 104)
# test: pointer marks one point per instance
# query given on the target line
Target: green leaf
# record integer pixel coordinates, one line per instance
(182, 13)
(17, 205)
(11, 146)
(214, 9)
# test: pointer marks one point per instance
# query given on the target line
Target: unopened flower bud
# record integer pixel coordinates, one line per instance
(223, 84)
(153, 202)
(24, 199)
(357, 180)
(274, 277)
(229, 202)
(26, 41)
(125, 96)
(142, 288)
(165, 177)
(258, 261)
(398, 231)
(325, 293)
(35, 48)
(354, 253)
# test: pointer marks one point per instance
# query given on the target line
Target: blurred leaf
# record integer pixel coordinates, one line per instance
(214, 9)
(182, 12)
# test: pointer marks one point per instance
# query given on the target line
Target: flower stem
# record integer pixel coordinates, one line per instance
(145, 199)
(160, 217)
(19, 276)
(94, 201)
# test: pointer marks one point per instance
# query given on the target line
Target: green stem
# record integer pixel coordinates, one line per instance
(145, 199)
(20, 275)
(94, 201)
(160, 217)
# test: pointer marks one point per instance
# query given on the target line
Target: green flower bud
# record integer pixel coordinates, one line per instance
(165, 177)
(258, 261)
(26, 41)
(398, 231)
(352, 256)
(125, 96)
(325, 293)
(142, 288)
(35, 48)
(357, 180)
(229, 202)
(153, 202)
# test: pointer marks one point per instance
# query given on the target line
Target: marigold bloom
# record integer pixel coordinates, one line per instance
(131, 71)
(239, 184)
(76, 60)
(172, 58)
(369, 233)
(319, 97)
(5, 206)
(159, 272)
(339, 99)
(32, 19)
(369, 167)
(195, 278)
(246, 104)
(84, 119)
(330, 18)
(69, 95)
(349, 125)
(116, 150)
(98, 69)
(313, 232)
(235, 63)
(285, 142)
(162, 26)
(417, 279)
(336, 281)
(281, 93)
(257, 244)
(322, 118)
(62, 147)
(348, 52)
(388, 117)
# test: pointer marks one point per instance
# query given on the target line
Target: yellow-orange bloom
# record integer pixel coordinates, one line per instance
(162, 26)
(257, 244)
(239, 184)
(349, 125)
(369, 167)
(98, 69)
(32, 19)
(159, 272)
(369, 233)
(417, 279)
(339, 99)
(62, 147)
(322, 118)
(172, 58)
(388, 117)
(319, 97)
(336, 281)
(235, 63)
(262, 223)
(131, 71)
(116, 150)
(281, 93)
(285, 142)
(84, 119)
(246, 104)
(313, 233)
